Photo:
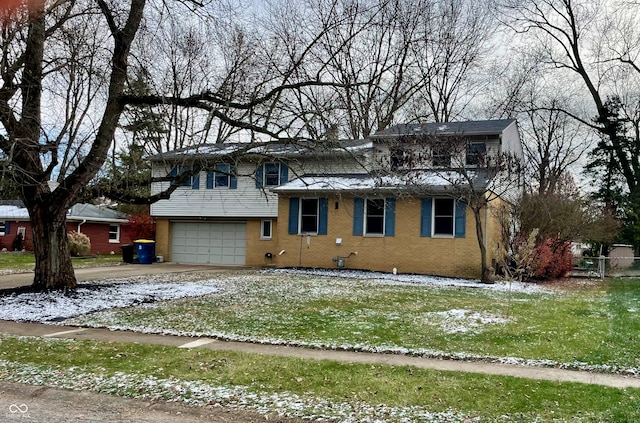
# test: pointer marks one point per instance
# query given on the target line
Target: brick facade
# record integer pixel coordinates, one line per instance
(406, 251)
(98, 233)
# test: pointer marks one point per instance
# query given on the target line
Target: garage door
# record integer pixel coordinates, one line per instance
(208, 242)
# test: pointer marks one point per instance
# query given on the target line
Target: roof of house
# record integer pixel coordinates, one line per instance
(420, 180)
(269, 149)
(478, 127)
(79, 212)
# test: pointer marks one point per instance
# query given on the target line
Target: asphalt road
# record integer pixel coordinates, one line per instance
(35, 404)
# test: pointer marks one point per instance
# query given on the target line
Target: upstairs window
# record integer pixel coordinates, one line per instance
(476, 154)
(222, 177)
(441, 155)
(271, 174)
(192, 181)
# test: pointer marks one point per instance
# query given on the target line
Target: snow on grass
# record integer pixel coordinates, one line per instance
(462, 321)
(48, 307)
(237, 397)
(427, 280)
(141, 291)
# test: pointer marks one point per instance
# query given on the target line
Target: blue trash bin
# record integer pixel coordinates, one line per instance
(146, 249)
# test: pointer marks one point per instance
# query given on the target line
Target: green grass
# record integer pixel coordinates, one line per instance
(594, 326)
(23, 262)
(488, 397)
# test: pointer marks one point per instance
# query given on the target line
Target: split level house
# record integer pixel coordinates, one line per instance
(392, 201)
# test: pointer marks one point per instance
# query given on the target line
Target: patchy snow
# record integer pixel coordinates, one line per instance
(514, 286)
(47, 307)
(54, 308)
(238, 397)
(463, 321)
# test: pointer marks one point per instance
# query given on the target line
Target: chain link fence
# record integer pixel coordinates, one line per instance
(601, 267)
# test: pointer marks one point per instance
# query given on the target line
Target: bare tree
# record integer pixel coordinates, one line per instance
(597, 43)
(452, 40)
(34, 132)
(485, 182)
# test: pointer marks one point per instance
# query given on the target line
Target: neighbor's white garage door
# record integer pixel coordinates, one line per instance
(209, 243)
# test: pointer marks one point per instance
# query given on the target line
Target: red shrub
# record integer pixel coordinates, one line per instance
(552, 259)
(141, 226)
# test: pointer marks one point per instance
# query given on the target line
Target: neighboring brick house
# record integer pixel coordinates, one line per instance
(333, 204)
(106, 228)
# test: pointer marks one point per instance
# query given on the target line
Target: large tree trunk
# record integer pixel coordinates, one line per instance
(487, 275)
(54, 269)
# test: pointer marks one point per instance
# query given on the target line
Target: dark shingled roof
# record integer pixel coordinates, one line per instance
(478, 127)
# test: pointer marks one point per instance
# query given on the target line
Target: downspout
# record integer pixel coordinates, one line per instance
(81, 223)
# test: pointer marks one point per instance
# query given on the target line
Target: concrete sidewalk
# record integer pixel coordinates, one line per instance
(105, 335)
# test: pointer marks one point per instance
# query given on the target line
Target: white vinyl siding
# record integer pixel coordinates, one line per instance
(244, 201)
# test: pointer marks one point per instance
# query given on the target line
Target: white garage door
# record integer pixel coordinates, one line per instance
(209, 242)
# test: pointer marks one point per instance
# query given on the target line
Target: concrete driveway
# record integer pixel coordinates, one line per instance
(118, 271)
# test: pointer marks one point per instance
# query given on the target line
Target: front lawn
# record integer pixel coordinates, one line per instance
(592, 328)
(13, 262)
(313, 389)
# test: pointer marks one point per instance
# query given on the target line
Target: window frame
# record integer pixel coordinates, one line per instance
(441, 154)
(301, 216)
(190, 182)
(3, 227)
(435, 218)
(115, 240)
(266, 175)
(475, 157)
(264, 223)
(381, 217)
(222, 173)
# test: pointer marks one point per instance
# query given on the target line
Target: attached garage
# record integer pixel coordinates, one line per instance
(223, 243)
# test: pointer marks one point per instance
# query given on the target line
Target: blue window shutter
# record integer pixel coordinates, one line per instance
(7, 228)
(323, 205)
(390, 217)
(284, 173)
(195, 184)
(358, 215)
(461, 218)
(173, 173)
(294, 209)
(233, 179)
(259, 176)
(210, 175)
(425, 217)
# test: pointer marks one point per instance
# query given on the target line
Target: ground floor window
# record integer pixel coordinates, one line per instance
(374, 217)
(265, 229)
(443, 216)
(309, 215)
(3, 228)
(114, 233)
